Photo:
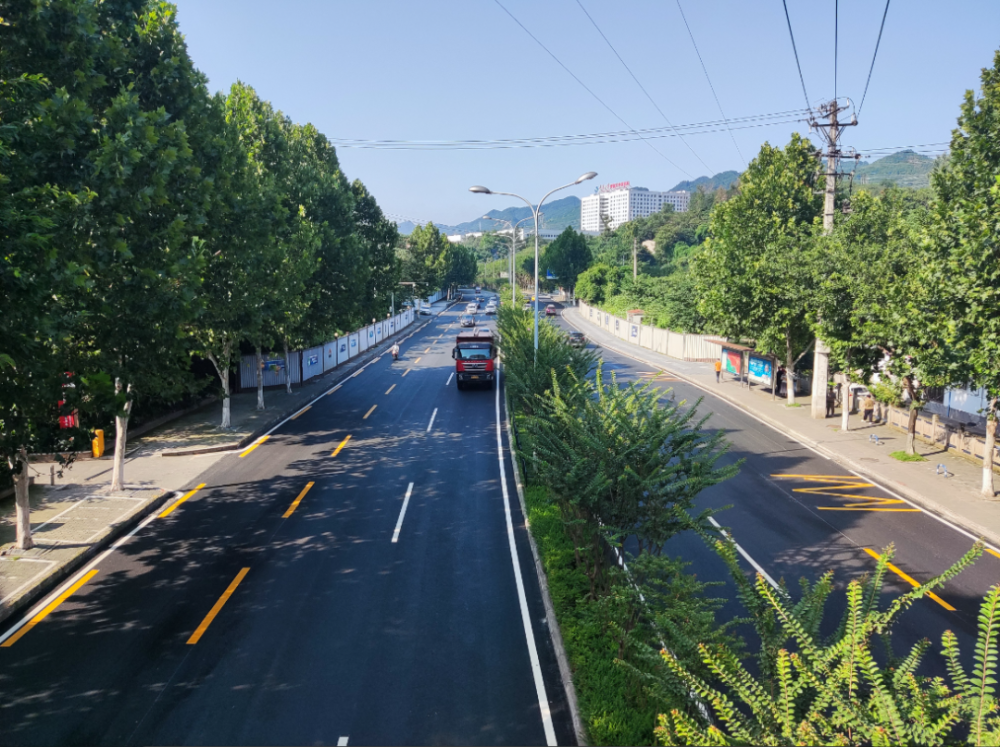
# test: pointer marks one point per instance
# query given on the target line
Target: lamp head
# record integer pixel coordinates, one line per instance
(585, 177)
(480, 190)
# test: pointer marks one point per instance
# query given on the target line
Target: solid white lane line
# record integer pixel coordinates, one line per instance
(342, 742)
(536, 667)
(402, 513)
(431, 424)
(452, 376)
(829, 457)
(745, 554)
(30, 614)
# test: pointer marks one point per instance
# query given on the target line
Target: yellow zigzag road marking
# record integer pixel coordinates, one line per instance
(837, 487)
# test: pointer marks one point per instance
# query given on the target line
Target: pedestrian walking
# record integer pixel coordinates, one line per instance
(869, 408)
(718, 371)
(831, 402)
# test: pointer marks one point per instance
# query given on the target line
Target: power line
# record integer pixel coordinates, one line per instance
(836, 43)
(878, 41)
(641, 87)
(705, 70)
(559, 141)
(514, 18)
(796, 51)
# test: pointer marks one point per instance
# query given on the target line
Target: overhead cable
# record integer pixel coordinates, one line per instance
(836, 43)
(877, 42)
(573, 75)
(705, 70)
(623, 136)
(641, 87)
(796, 51)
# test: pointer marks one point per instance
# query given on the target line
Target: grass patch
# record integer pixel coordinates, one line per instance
(902, 456)
(611, 706)
(795, 405)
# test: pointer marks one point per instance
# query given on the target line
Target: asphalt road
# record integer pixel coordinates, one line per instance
(325, 630)
(792, 534)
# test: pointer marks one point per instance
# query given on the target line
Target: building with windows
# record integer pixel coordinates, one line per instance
(614, 204)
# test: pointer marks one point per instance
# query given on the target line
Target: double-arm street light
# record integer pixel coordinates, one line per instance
(513, 245)
(535, 211)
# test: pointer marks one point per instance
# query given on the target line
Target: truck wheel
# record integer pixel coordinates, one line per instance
(460, 384)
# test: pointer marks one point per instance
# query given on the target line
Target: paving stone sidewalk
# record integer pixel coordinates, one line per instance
(955, 497)
(77, 517)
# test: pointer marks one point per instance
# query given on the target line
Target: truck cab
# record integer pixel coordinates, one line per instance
(475, 355)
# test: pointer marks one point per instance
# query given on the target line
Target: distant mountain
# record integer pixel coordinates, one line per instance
(904, 169)
(725, 179)
(555, 215)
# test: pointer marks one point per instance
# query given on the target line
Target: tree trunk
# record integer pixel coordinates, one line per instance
(911, 430)
(223, 372)
(260, 379)
(845, 415)
(22, 506)
(991, 438)
(121, 435)
(789, 369)
(288, 369)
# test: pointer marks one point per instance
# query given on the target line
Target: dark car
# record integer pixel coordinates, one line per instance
(467, 320)
(577, 339)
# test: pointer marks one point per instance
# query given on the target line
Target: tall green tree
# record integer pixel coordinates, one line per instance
(753, 276)
(461, 267)
(425, 259)
(965, 232)
(130, 102)
(379, 237)
(865, 272)
(567, 257)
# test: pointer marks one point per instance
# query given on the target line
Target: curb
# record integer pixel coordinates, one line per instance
(59, 575)
(555, 632)
(264, 427)
(961, 522)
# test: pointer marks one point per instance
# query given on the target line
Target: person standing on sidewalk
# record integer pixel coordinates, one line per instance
(869, 408)
(831, 402)
(718, 371)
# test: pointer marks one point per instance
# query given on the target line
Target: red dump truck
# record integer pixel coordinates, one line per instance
(475, 357)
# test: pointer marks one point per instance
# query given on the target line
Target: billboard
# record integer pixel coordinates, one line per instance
(732, 361)
(760, 369)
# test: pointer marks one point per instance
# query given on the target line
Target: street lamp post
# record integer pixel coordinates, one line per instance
(513, 246)
(534, 210)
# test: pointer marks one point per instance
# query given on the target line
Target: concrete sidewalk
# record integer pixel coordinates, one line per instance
(77, 517)
(955, 497)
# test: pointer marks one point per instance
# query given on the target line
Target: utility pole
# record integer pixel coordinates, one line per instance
(635, 258)
(831, 132)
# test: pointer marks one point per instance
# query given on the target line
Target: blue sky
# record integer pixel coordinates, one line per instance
(463, 70)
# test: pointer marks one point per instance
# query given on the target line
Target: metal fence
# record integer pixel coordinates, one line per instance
(305, 364)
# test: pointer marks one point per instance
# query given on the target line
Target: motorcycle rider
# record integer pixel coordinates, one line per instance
(395, 351)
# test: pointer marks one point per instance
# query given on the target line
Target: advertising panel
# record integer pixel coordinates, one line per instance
(342, 350)
(312, 363)
(760, 369)
(330, 356)
(732, 361)
(352, 345)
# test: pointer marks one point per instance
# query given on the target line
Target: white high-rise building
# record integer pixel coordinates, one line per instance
(620, 203)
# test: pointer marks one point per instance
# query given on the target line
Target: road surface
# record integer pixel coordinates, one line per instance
(349, 580)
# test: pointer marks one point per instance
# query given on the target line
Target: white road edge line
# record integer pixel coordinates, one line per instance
(923, 509)
(757, 566)
(431, 424)
(80, 574)
(536, 667)
(450, 377)
(402, 513)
